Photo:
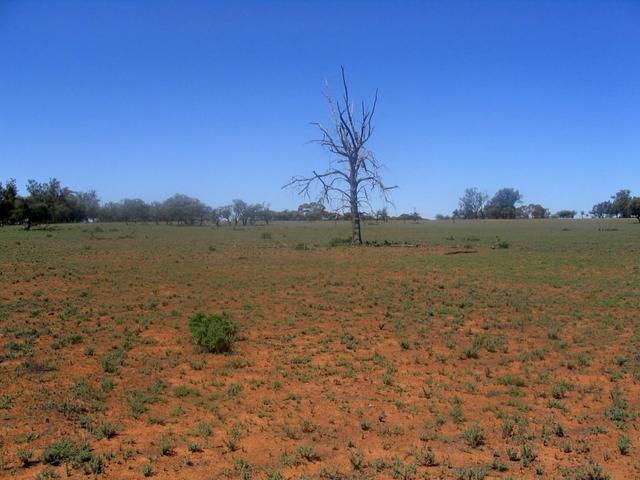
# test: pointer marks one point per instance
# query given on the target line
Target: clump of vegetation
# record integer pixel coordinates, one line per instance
(623, 444)
(308, 453)
(213, 333)
(618, 412)
(474, 473)
(233, 436)
(590, 471)
(47, 474)
(65, 451)
(24, 456)
(426, 457)
(338, 242)
(59, 452)
(402, 471)
(166, 447)
(473, 436)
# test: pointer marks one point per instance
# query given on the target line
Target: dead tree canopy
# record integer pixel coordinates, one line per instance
(353, 177)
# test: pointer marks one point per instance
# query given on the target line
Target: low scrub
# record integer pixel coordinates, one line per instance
(213, 333)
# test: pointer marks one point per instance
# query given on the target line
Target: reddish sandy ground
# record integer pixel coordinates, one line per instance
(392, 362)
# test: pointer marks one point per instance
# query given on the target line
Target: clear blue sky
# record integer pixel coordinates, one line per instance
(213, 99)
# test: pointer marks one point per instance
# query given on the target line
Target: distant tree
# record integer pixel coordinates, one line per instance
(471, 204)
(216, 216)
(225, 212)
(156, 212)
(523, 211)
(312, 211)
(503, 204)
(88, 205)
(620, 203)
(240, 211)
(134, 210)
(8, 198)
(253, 213)
(602, 209)
(537, 211)
(383, 215)
(45, 202)
(355, 175)
(265, 213)
(566, 214)
(634, 208)
(413, 216)
(181, 208)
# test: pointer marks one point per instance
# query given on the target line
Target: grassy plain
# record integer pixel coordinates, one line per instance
(490, 349)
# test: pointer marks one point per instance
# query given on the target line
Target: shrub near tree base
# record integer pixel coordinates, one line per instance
(213, 333)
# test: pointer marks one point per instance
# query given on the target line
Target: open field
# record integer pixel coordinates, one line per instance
(518, 357)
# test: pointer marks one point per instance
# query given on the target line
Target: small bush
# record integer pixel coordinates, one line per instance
(166, 447)
(107, 430)
(213, 333)
(96, 465)
(500, 244)
(47, 474)
(147, 471)
(618, 412)
(473, 436)
(308, 453)
(426, 457)
(624, 444)
(590, 471)
(339, 242)
(59, 452)
(24, 456)
(473, 473)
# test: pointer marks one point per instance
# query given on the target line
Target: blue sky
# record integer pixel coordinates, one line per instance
(214, 99)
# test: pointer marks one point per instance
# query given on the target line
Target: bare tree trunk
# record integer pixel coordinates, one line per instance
(356, 234)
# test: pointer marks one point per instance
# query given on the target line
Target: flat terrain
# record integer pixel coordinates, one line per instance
(494, 349)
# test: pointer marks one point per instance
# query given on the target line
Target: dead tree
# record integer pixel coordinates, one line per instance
(353, 176)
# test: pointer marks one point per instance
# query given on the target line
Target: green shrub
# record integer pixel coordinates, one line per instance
(339, 242)
(96, 465)
(213, 333)
(47, 474)
(166, 447)
(107, 430)
(624, 444)
(24, 456)
(618, 412)
(59, 452)
(473, 436)
(473, 473)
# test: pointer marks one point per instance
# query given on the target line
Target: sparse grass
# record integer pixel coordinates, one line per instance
(338, 352)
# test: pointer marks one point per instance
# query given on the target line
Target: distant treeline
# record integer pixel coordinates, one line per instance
(53, 203)
(507, 204)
